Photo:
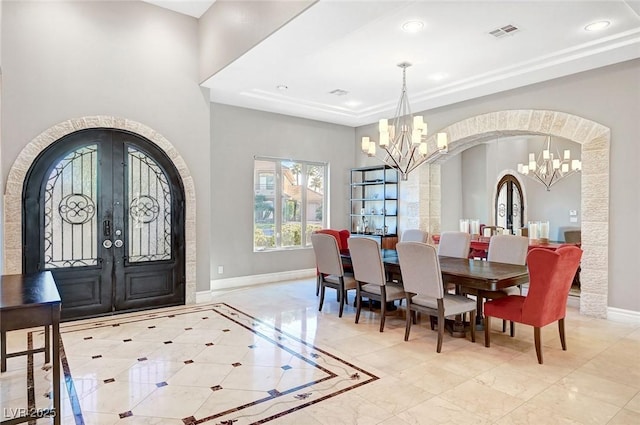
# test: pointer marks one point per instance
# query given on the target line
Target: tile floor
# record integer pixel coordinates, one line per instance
(265, 354)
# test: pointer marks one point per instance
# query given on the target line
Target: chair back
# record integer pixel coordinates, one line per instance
(367, 261)
(325, 248)
(454, 244)
(573, 236)
(550, 276)
(420, 269)
(508, 249)
(335, 234)
(414, 235)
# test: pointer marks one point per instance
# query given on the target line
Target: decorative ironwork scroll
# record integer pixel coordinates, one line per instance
(70, 221)
(149, 201)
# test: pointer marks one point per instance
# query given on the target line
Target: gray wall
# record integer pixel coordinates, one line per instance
(238, 135)
(482, 168)
(611, 97)
(223, 40)
(127, 59)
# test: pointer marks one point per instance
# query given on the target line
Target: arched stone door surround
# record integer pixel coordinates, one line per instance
(595, 141)
(13, 193)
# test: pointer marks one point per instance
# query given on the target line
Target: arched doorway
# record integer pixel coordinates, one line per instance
(13, 260)
(104, 212)
(594, 216)
(509, 204)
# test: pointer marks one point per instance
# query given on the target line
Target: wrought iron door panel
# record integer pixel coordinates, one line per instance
(102, 209)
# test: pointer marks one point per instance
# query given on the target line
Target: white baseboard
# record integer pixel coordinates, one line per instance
(203, 297)
(625, 316)
(252, 280)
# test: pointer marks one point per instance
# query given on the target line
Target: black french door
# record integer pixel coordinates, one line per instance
(103, 210)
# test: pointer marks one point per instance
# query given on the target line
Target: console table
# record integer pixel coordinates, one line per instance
(28, 301)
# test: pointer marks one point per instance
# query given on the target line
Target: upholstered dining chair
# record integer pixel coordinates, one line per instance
(371, 280)
(508, 249)
(342, 236)
(422, 280)
(331, 272)
(414, 235)
(454, 244)
(550, 277)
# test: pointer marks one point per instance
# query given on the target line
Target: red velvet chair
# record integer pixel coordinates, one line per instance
(550, 277)
(342, 237)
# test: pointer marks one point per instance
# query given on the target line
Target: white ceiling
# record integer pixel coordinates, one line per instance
(356, 45)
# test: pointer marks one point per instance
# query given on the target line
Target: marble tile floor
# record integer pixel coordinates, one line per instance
(265, 354)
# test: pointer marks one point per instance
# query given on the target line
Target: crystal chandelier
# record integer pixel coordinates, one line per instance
(547, 168)
(402, 141)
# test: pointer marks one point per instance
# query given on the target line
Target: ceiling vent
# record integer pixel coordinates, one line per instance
(339, 92)
(502, 31)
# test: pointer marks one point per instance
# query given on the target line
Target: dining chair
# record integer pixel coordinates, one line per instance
(454, 244)
(342, 236)
(508, 249)
(414, 235)
(370, 276)
(550, 277)
(422, 280)
(329, 265)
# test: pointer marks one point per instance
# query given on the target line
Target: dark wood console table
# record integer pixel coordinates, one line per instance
(28, 301)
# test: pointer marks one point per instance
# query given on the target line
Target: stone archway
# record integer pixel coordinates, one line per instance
(595, 141)
(13, 193)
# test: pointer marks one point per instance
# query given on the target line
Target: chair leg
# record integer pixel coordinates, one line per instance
(383, 312)
(512, 329)
(321, 297)
(318, 279)
(432, 321)
(536, 337)
(440, 330)
(341, 297)
(504, 326)
(358, 306)
(472, 319)
(410, 317)
(487, 334)
(563, 341)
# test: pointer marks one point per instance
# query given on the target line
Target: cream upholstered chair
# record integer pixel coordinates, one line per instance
(329, 266)
(369, 273)
(454, 244)
(511, 250)
(414, 235)
(422, 280)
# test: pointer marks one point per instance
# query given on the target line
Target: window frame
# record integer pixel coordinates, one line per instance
(278, 205)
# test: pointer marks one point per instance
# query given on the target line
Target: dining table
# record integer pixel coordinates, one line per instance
(463, 272)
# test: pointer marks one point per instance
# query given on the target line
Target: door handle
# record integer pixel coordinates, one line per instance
(107, 243)
(118, 243)
(106, 228)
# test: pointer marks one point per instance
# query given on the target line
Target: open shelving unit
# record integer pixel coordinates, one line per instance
(374, 204)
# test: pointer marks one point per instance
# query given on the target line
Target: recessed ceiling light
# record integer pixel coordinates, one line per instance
(412, 26)
(597, 26)
(282, 87)
(439, 76)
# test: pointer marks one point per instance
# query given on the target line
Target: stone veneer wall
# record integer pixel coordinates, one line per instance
(13, 194)
(595, 140)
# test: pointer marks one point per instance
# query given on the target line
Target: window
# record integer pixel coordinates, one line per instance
(289, 196)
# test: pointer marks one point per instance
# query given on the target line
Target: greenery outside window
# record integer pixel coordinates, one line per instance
(289, 196)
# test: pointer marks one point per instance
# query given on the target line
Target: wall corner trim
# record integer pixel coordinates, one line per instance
(624, 316)
(258, 279)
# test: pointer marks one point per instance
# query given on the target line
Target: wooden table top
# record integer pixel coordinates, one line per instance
(478, 274)
(22, 291)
